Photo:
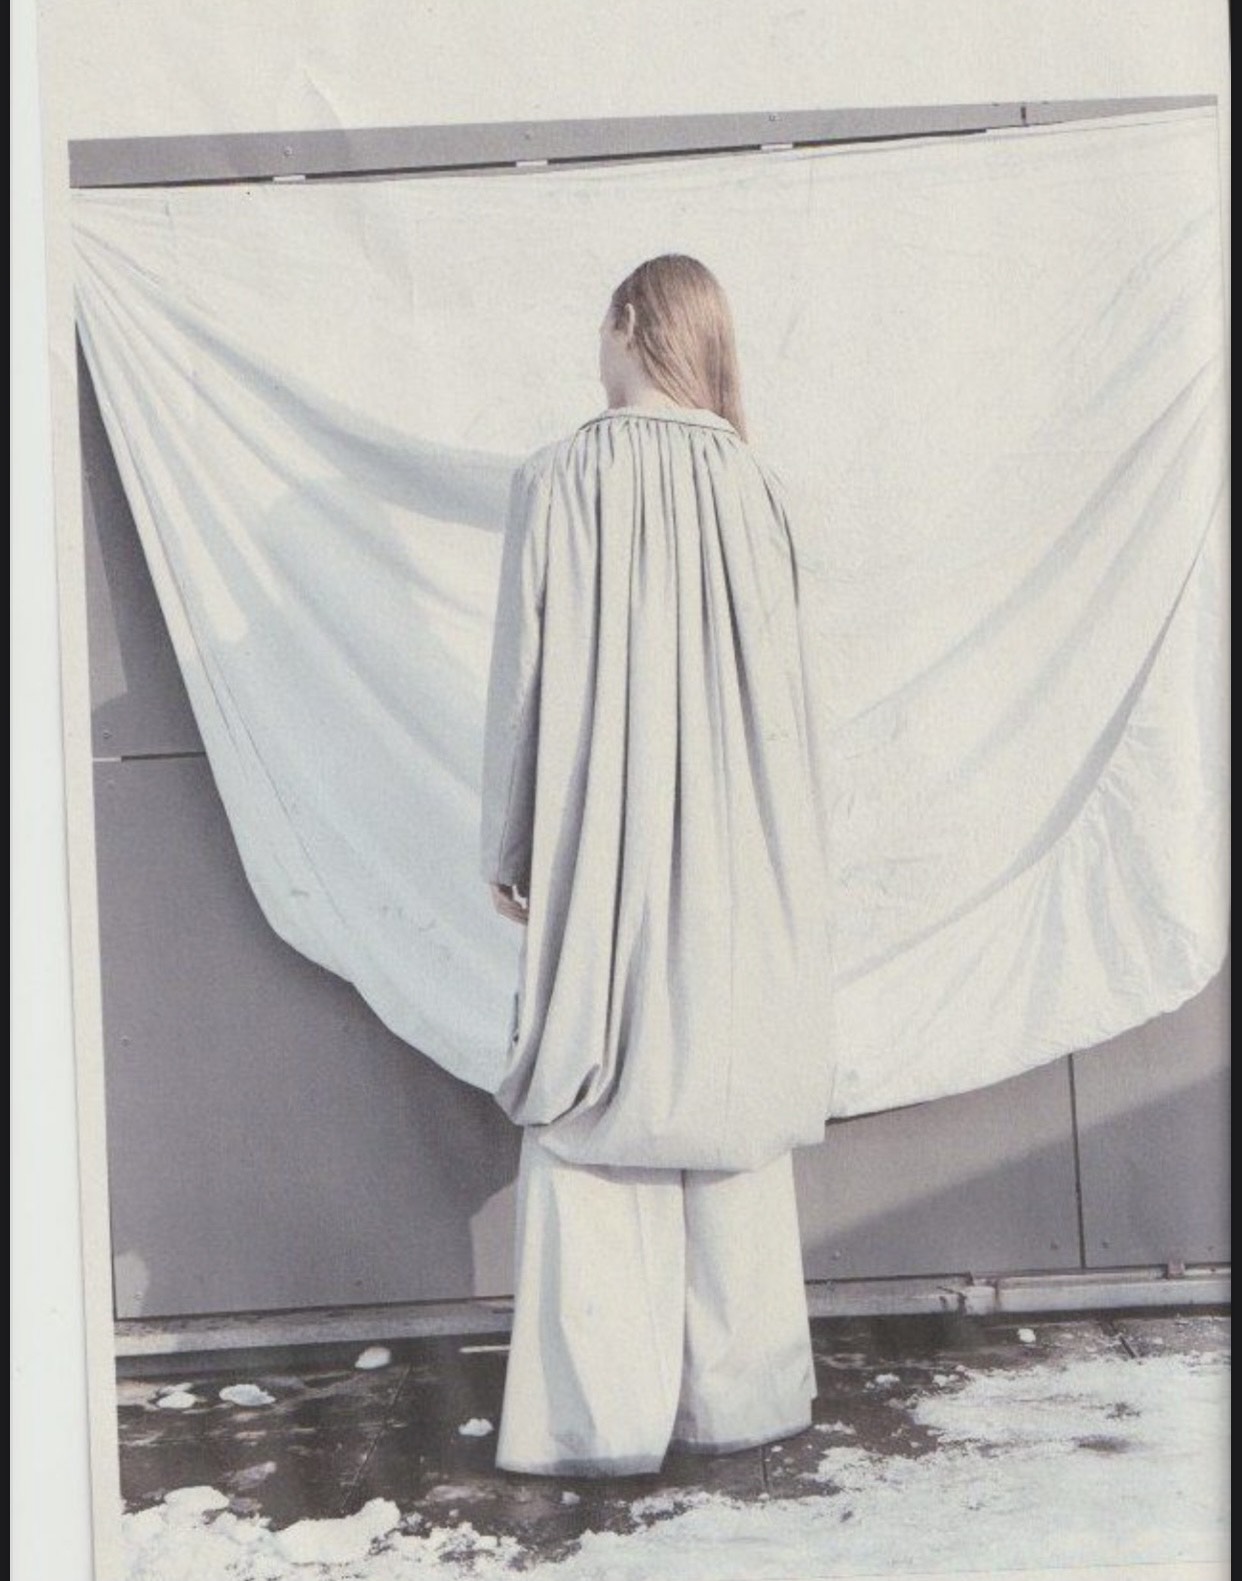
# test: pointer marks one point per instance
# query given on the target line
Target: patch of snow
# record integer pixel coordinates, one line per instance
(570, 1497)
(884, 1380)
(652, 1504)
(1027, 1336)
(372, 1357)
(335, 1542)
(442, 1492)
(146, 1529)
(177, 1400)
(251, 1476)
(244, 1533)
(196, 1501)
(445, 1551)
(246, 1394)
(166, 1544)
(476, 1427)
(659, 1504)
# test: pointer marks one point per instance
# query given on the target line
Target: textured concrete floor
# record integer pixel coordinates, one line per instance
(334, 1437)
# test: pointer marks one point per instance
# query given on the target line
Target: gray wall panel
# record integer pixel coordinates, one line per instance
(138, 699)
(982, 1183)
(1153, 1124)
(270, 1143)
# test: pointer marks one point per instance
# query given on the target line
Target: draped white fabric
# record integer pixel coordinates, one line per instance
(992, 368)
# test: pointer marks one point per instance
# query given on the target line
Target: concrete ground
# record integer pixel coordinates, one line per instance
(324, 1438)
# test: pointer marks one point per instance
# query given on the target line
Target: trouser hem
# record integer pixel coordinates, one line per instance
(728, 1446)
(623, 1466)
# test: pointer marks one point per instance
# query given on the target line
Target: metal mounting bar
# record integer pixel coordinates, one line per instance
(487, 145)
(1114, 1289)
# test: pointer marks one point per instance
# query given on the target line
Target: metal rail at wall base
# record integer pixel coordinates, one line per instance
(981, 1296)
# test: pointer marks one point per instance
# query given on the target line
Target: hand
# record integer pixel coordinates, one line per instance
(509, 903)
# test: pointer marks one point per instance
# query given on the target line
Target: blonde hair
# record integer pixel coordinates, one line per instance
(683, 333)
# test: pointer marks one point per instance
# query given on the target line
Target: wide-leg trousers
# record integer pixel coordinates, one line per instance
(653, 1308)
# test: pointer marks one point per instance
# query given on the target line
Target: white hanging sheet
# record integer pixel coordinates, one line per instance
(993, 368)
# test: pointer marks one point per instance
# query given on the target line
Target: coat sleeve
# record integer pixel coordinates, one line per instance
(512, 710)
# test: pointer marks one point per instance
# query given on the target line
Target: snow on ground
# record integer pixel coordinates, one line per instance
(1103, 1460)
(247, 1394)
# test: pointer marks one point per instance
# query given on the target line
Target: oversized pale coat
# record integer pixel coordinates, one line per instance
(648, 783)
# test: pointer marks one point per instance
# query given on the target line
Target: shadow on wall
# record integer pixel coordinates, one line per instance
(271, 1143)
(988, 1183)
(138, 701)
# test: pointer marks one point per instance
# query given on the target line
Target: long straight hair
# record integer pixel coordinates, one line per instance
(683, 333)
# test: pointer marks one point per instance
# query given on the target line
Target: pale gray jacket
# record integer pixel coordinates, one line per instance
(648, 784)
